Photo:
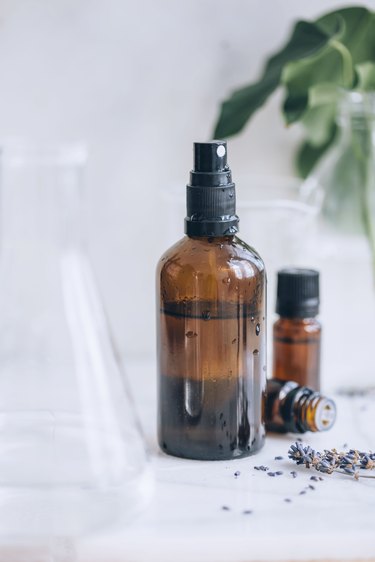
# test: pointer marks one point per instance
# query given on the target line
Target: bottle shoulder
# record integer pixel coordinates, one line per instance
(211, 269)
(206, 254)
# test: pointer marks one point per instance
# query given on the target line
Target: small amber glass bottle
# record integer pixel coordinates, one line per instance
(297, 333)
(294, 408)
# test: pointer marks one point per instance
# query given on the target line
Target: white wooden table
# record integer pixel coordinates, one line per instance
(186, 522)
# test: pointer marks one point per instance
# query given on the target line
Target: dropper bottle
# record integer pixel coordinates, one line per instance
(297, 409)
(211, 325)
(297, 332)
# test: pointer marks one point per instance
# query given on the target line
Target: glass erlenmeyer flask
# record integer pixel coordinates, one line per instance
(71, 451)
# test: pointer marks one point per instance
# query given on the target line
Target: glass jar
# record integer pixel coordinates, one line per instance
(343, 186)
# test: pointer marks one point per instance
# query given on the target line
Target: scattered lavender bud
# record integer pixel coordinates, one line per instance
(279, 458)
(257, 467)
(247, 511)
(320, 478)
(315, 478)
(279, 472)
(302, 492)
(288, 500)
(225, 508)
(294, 474)
(299, 439)
(311, 487)
(351, 462)
(271, 473)
(237, 473)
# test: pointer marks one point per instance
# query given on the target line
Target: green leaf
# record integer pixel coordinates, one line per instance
(350, 44)
(359, 34)
(365, 76)
(319, 123)
(322, 94)
(308, 155)
(294, 107)
(309, 78)
(307, 39)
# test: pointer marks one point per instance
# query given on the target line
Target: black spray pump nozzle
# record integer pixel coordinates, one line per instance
(210, 195)
(210, 156)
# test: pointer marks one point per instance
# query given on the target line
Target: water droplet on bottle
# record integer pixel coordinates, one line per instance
(256, 352)
(234, 340)
(226, 280)
(206, 315)
(257, 329)
(252, 319)
(191, 334)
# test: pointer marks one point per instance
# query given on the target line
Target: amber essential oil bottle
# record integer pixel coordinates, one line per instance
(297, 333)
(211, 291)
(294, 408)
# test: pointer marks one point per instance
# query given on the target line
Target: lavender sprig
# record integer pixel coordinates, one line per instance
(350, 462)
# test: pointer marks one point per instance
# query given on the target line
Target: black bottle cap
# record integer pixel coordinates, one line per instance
(210, 195)
(297, 293)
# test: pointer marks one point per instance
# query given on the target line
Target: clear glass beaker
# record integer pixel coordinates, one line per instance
(72, 455)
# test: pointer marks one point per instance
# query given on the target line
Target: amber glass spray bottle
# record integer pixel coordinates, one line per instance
(211, 325)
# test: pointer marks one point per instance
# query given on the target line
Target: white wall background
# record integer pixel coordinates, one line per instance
(140, 81)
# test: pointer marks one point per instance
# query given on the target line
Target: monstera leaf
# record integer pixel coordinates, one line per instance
(321, 58)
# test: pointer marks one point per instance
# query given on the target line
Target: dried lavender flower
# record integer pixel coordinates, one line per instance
(331, 460)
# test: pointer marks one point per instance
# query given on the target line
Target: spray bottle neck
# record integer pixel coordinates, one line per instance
(210, 195)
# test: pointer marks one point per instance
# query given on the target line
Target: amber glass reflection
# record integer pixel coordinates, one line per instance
(211, 349)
